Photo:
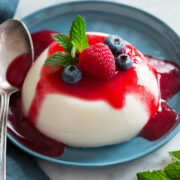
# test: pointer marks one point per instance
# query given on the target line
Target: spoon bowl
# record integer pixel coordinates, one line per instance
(15, 40)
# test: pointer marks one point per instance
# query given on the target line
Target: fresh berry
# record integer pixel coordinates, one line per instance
(71, 74)
(97, 61)
(115, 43)
(124, 62)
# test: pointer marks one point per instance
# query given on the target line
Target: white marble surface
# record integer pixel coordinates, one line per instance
(168, 11)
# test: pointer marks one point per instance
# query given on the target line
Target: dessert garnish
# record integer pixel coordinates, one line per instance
(115, 43)
(73, 45)
(124, 62)
(97, 60)
(71, 74)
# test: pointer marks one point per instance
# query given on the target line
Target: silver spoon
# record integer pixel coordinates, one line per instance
(14, 41)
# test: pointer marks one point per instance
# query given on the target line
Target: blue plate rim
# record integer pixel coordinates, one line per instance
(164, 139)
(110, 2)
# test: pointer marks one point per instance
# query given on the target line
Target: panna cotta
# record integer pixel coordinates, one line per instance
(93, 91)
(99, 112)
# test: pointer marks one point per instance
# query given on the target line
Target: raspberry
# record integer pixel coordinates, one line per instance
(97, 61)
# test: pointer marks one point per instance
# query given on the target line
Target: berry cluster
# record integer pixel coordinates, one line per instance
(99, 61)
(117, 46)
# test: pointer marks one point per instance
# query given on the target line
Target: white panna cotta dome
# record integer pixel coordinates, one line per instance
(84, 123)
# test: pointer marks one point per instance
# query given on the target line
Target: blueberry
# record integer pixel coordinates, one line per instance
(124, 62)
(71, 74)
(115, 43)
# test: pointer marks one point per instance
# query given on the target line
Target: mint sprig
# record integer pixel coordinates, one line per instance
(61, 59)
(73, 45)
(63, 41)
(170, 172)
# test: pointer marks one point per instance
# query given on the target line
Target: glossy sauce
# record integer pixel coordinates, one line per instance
(159, 124)
(18, 69)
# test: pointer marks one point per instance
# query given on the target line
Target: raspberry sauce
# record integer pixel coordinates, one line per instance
(18, 69)
(162, 118)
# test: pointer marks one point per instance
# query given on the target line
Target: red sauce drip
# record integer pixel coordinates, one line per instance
(18, 69)
(159, 124)
(165, 118)
(169, 76)
(19, 127)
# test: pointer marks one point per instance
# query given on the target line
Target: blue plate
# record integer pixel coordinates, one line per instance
(146, 32)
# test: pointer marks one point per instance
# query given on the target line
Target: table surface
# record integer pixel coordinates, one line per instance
(169, 12)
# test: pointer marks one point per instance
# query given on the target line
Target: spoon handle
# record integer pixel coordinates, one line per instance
(3, 131)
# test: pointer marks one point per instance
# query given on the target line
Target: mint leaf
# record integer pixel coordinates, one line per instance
(173, 170)
(154, 175)
(175, 155)
(63, 41)
(78, 34)
(170, 172)
(61, 59)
